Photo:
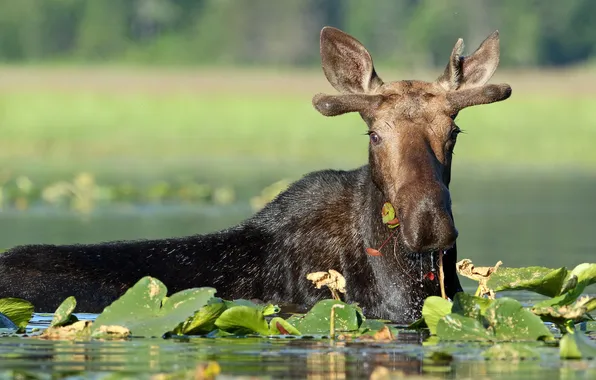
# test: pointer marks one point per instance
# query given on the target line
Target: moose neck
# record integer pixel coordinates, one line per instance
(402, 279)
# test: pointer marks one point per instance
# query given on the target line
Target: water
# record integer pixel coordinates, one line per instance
(268, 358)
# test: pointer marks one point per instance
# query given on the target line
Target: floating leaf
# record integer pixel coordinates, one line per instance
(331, 279)
(467, 269)
(203, 321)
(63, 314)
(568, 348)
(577, 346)
(111, 333)
(576, 282)
(267, 309)
(511, 322)
(433, 310)
(145, 311)
(470, 306)
(458, 327)
(243, 320)
(561, 314)
(17, 310)
(317, 320)
(279, 326)
(511, 352)
(79, 330)
(540, 280)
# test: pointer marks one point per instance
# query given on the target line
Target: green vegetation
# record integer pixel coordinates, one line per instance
(252, 32)
(135, 133)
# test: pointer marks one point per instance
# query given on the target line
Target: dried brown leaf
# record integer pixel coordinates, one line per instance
(467, 269)
(69, 332)
(331, 279)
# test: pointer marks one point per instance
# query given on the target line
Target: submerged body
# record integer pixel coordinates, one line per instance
(267, 257)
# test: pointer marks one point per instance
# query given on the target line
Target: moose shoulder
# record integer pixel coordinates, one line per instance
(326, 220)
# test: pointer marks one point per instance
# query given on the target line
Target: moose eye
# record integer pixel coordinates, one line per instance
(374, 138)
(454, 132)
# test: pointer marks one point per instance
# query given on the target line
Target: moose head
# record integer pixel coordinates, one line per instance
(411, 128)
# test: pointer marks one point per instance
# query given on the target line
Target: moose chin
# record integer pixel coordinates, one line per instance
(326, 220)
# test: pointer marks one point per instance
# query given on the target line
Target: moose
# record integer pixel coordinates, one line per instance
(326, 220)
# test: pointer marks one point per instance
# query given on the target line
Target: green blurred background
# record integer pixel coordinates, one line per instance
(125, 119)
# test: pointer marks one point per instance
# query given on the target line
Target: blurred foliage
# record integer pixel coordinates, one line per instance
(83, 194)
(548, 32)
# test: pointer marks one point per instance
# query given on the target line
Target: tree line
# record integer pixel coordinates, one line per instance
(285, 32)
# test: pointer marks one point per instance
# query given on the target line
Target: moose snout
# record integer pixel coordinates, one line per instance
(426, 221)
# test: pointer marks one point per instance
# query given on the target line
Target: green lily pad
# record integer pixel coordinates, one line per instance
(585, 273)
(470, 306)
(145, 311)
(458, 327)
(511, 352)
(63, 314)
(578, 279)
(279, 326)
(577, 346)
(317, 320)
(267, 309)
(568, 348)
(545, 281)
(577, 312)
(203, 321)
(243, 320)
(433, 310)
(17, 310)
(511, 322)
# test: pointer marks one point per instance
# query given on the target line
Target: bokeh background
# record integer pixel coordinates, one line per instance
(126, 119)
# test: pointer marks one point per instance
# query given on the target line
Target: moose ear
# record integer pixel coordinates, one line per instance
(346, 63)
(473, 71)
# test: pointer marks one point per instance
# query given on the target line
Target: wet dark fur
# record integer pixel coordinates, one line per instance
(324, 221)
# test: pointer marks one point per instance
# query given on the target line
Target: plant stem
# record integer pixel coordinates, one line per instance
(332, 321)
(441, 275)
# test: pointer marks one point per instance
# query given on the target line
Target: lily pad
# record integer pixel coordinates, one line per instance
(574, 285)
(79, 330)
(203, 321)
(17, 310)
(458, 327)
(433, 310)
(279, 326)
(511, 322)
(545, 281)
(561, 314)
(317, 320)
(267, 309)
(243, 320)
(470, 306)
(511, 352)
(577, 346)
(63, 314)
(145, 311)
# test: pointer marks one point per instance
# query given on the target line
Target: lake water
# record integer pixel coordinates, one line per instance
(268, 358)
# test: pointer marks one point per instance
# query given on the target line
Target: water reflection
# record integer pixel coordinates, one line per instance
(270, 358)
